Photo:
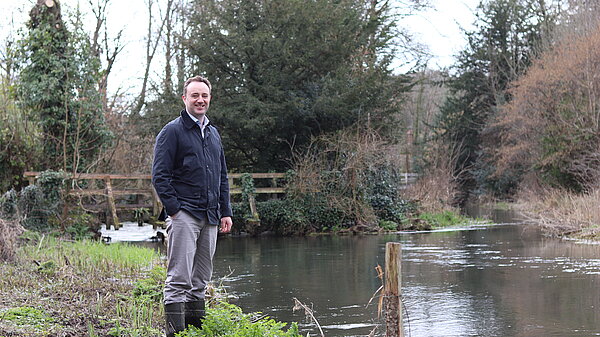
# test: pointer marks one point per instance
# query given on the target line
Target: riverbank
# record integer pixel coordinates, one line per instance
(85, 288)
(52, 287)
(561, 213)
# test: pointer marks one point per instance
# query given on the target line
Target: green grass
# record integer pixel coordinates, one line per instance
(35, 320)
(88, 256)
(388, 225)
(444, 219)
(87, 288)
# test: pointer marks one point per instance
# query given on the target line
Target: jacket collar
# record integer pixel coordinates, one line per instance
(188, 122)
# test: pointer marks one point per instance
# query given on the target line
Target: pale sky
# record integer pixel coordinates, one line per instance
(438, 28)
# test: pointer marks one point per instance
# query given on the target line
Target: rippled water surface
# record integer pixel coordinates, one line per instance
(487, 280)
(502, 280)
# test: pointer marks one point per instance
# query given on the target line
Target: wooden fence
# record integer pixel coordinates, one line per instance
(140, 187)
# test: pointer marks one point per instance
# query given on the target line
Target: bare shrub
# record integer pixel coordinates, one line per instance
(436, 189)
(131, 151)
(552, 125)
(11, 230)
(349, 168)
(562, 212)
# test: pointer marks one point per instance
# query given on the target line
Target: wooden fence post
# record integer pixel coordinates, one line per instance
(392, 292)
(253, 209)
(110, 201)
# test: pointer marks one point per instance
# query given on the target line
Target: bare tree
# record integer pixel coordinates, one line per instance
(169, 40)
(111, 47)
(180, 50)
(152, 41)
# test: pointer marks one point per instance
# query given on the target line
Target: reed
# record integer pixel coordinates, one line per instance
(563, 213)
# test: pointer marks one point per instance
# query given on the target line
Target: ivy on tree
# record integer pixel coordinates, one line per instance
(58, 83)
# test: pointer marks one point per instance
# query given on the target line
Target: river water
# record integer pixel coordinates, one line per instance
(482, 280)
(485, 280)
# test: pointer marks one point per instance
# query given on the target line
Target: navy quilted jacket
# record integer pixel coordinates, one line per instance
(189, 172)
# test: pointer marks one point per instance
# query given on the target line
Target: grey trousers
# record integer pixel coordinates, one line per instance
(191, 244)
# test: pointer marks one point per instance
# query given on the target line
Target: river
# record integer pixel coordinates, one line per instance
(499, 280)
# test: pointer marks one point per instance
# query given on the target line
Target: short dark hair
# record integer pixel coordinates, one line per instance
(196, 79)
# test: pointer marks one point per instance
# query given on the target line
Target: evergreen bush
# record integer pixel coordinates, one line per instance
(8, 205)
(38, 203)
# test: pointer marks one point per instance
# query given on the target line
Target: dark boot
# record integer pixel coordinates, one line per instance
(194, 313)
(175, 318)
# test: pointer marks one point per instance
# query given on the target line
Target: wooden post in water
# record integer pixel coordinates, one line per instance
(392, 292)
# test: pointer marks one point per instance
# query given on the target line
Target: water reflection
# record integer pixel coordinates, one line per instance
(487, 281)
(502, 280)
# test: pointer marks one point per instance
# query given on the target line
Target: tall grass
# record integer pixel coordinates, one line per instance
(92, 257)
(562, 212)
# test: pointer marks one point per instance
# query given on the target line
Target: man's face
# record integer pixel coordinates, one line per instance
(197, 99)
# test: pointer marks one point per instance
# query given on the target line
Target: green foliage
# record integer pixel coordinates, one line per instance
(150, 288)
(247, 186)
(291, 215)
(58, 79)
(37, 319)
(41, 206)
(226, 319)
(52, 184)
(443, 219)
(563, 152)
(320, 213)
(283, 217)
(500, 48)
(388, 225)
(78, 225)
(356, 173)
(20, 139)
(382, 185)
(140, 214)
(30, 204)
(285, 71)
(39, 203)
(9, 205)
(241, 210)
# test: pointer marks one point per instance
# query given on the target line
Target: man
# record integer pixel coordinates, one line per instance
(190, 177)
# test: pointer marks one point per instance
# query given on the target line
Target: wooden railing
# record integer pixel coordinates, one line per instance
(141, 187)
